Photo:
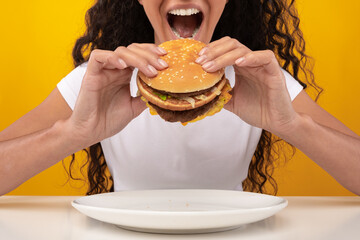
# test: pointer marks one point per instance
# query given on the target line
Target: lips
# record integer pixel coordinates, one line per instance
(185, 22)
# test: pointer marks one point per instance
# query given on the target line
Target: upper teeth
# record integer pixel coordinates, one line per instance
(184, 12)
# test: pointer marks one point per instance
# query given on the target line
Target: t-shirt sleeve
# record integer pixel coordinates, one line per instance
(293, 86)
(69, 86)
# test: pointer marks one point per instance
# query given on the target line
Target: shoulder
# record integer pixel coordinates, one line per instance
(293, 86)
(69, 86)
(76, 73)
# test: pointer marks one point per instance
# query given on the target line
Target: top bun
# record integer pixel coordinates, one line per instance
(183, 75)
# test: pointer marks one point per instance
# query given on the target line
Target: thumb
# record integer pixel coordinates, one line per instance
(138, 106)
(230, 105)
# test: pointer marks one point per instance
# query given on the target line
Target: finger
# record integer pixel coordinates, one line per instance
(214, 44)
(135, 60)
(219, 50)
(152, 48)
(138, 106)
(264, 59)
(100, 59)
(225, 60)
(230, 105)
(150, 54)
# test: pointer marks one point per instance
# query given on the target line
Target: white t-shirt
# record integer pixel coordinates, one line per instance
(149, 153)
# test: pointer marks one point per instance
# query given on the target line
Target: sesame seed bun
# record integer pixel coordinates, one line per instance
(183, 75)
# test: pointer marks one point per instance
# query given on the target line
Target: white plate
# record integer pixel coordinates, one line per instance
(179, 211)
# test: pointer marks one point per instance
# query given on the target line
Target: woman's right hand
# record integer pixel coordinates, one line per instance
(104, 105)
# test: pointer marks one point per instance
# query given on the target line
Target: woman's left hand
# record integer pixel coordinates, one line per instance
(260, 96)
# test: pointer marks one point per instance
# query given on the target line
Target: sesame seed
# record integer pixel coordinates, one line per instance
(182, 77)
(195, 77)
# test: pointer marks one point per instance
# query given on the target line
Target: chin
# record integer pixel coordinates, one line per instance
(184, 92)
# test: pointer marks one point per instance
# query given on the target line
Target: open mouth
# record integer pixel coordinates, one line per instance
(185, 23)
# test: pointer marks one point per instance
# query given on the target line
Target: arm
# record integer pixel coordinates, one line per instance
(261, 99)
(23, 157)
(326, 141)
(104, 107)
(24, 146)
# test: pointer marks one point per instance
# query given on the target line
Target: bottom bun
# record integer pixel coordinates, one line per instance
(193, 115)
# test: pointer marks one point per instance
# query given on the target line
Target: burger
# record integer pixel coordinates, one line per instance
(184, 92)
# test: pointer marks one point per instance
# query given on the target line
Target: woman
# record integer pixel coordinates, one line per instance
(251, 36)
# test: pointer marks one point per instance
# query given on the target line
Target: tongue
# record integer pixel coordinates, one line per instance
(185, 25)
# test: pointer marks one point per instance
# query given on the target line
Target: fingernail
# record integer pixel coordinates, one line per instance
(152, 69)
(163, 63)
(239, 61)
(161, 50)
(201, 59)
(203, 51)
(208, 65)
(122, 63)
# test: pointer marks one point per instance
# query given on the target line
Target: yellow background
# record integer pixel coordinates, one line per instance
(36, 42)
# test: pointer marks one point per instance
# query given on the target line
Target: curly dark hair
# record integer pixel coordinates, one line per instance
(258, 24)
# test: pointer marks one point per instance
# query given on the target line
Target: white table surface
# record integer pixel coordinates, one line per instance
(32, 217)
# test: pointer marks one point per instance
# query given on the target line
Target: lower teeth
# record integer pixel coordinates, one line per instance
(178, 35)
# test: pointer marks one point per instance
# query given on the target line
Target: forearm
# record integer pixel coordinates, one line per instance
(24, 157)
(335, 152)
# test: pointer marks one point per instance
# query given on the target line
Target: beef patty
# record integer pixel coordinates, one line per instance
(182, 95)
(183, 116)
